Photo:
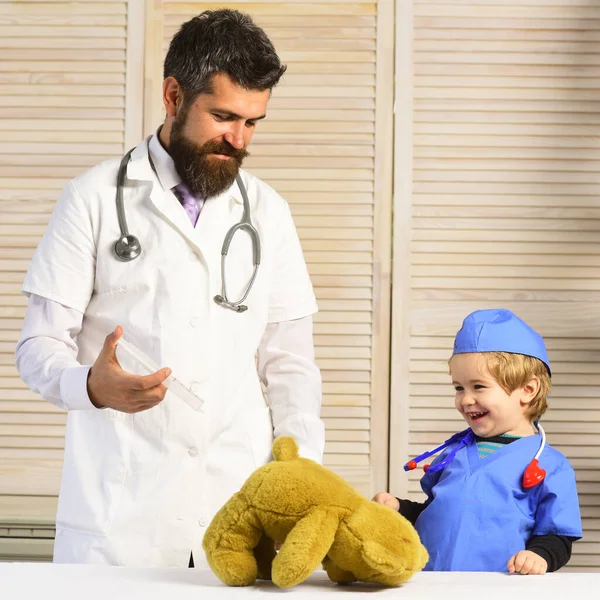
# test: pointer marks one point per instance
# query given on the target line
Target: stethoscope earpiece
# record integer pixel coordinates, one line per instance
(235, 307)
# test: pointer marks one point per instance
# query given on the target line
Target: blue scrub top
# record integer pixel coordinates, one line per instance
(478, 514)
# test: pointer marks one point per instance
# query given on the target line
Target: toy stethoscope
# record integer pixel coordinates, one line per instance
(532, 475)
(128, 247)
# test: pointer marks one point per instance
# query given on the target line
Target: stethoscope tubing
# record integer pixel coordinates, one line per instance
(128, 246)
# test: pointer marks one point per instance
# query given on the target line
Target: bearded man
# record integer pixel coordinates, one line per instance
(227, 314)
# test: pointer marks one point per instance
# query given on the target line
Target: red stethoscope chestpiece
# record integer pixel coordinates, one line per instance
(533, 474)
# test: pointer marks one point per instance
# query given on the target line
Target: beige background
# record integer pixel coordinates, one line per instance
(482, 115)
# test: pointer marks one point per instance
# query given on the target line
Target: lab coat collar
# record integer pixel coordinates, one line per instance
(217, 215)
(163, 163)
(164, 200)
(139, 166)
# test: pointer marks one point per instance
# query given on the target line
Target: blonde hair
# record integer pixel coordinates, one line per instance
(512, 371)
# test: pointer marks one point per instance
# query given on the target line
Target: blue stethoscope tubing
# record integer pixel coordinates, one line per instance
(532, 475)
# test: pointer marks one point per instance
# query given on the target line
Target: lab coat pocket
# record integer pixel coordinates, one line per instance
(259, 429)
(94, 470)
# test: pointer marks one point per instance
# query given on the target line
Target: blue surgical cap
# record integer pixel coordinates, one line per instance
(499, 330)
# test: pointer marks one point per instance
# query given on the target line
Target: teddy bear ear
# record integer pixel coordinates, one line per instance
(381, 559)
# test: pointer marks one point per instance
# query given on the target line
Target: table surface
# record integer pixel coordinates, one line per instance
(46, 581)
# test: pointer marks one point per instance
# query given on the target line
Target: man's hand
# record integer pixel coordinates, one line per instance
(387, 499)
(110, 387)
(526, 562)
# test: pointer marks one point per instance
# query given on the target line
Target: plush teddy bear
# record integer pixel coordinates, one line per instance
(319, 518)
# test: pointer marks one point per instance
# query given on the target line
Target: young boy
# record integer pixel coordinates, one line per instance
(481, 512)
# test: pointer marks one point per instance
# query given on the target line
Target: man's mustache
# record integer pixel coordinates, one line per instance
(224, 149)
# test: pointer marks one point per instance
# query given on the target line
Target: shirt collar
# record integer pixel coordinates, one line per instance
(163, 163)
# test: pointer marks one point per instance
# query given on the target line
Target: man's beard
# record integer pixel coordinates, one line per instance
(205, 175)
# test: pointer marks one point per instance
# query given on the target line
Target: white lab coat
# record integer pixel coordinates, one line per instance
(140, 489)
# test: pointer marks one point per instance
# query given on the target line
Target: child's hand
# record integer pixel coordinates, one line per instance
(388, 500)
(527, 563)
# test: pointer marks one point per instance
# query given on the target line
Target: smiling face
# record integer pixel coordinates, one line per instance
(486, 407)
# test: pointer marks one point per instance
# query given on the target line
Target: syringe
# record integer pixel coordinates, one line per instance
(171, 382)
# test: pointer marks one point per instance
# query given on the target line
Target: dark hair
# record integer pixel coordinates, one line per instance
(222, 41)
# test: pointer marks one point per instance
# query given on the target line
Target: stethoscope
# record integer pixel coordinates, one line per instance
(532, 475)
(128, 247)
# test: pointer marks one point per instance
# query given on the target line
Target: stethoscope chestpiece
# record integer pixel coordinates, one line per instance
(533, 475)
(127, 248)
